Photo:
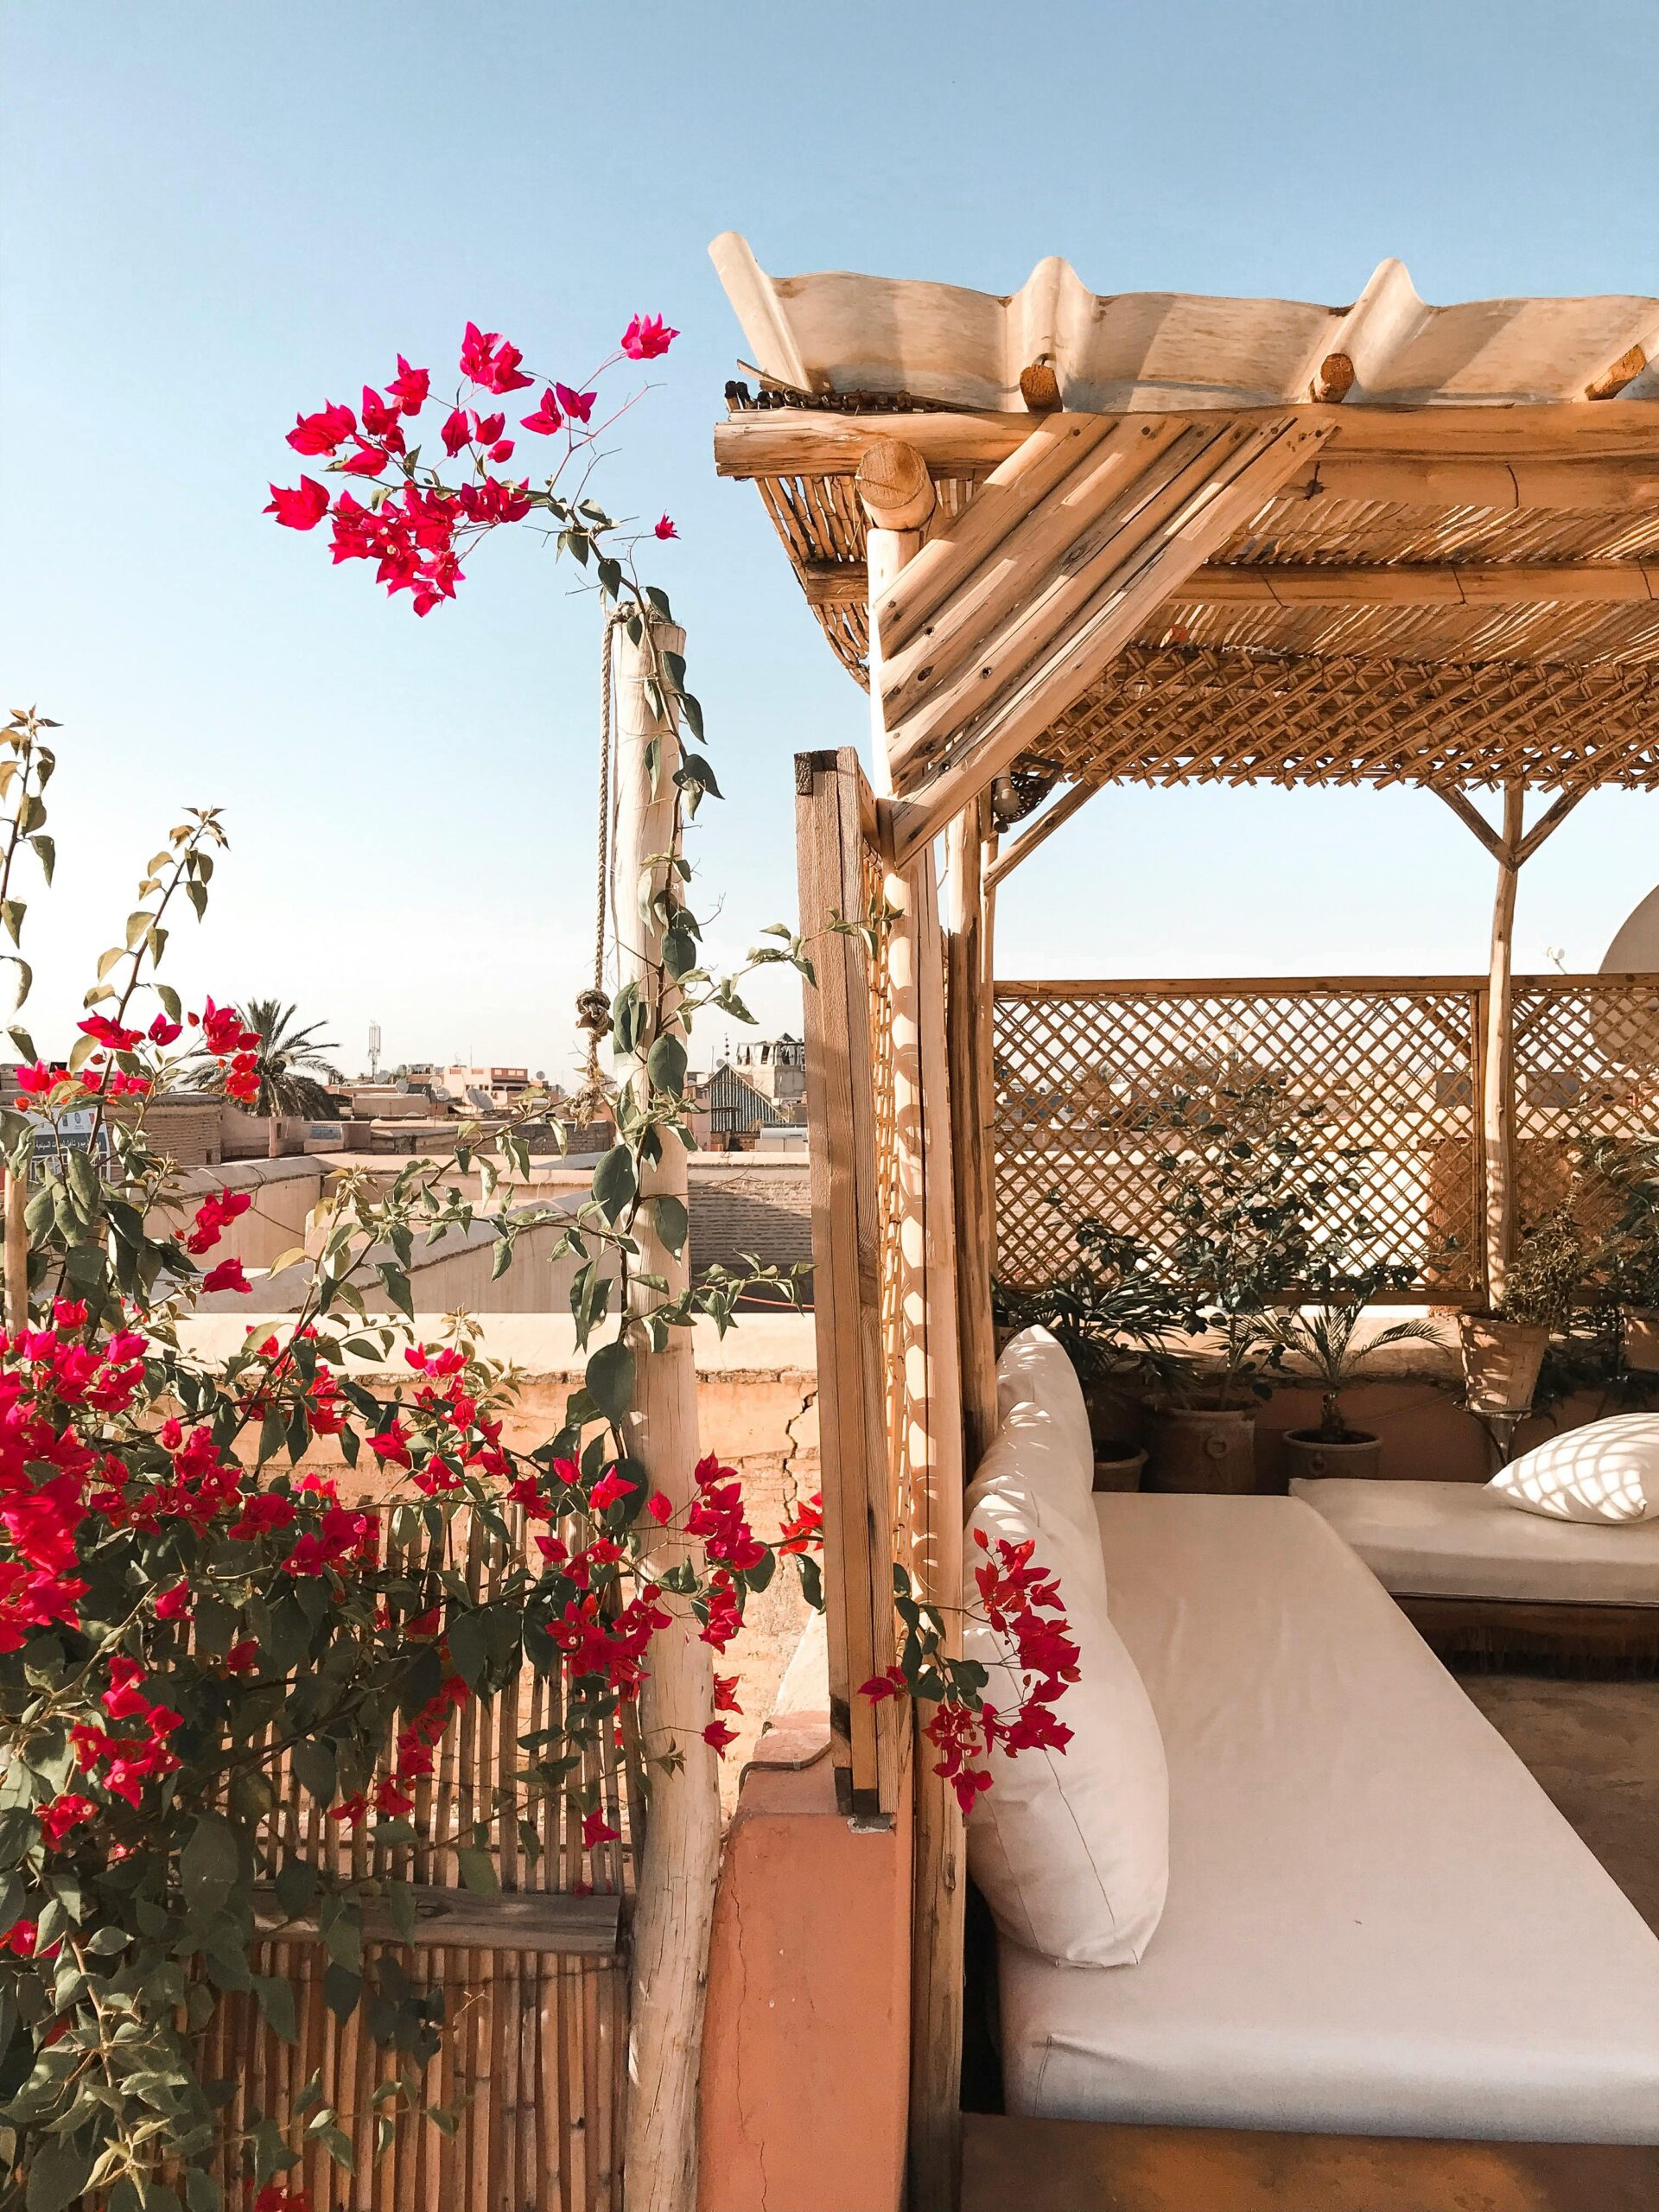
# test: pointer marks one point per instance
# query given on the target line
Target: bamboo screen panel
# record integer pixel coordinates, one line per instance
(1586, 1062)
(890, 1209)
(533, 2061)
(1086, 1076)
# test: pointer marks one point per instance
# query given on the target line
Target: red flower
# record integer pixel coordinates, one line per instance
(547, 417)
(595, 1830)
(501, 451)
(726, 1693)
(65, 1812)
(410, 387)
(227, 1275)
(664, 529)
(32, 1081)
(717, 1735)
(607, 1490)
(577, 405)
(805, 1531)
(322, 432)
(891, 1684)
(660, 1508)
(106, 1032)
(489, 360)
(174, 1604)
(457, 431)
(391, 1444)
(367, 461)
(162, 1032)
(242, 1655)
(262, 1513)
(68, 1312)
(378, 416)
(646, 337)
(302, 508)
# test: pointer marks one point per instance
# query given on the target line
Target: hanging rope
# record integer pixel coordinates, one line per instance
(592, 1101)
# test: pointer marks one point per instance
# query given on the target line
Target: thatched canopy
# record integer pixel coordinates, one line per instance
(1456, 582)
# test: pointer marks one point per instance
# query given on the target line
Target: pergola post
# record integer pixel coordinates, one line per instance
(968, 961)
(674, 1907)
(1497, 1099)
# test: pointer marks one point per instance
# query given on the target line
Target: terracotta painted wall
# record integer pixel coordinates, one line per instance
(806, 2050)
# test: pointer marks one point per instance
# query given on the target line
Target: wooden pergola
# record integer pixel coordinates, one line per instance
(1068, 541)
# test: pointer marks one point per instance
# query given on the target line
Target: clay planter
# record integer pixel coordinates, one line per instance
(1501, 1360)
(1119, 1466)
(1308, 1455)
(1202, 1449)
(1642, 1341)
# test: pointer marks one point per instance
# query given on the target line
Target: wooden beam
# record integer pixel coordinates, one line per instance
(1614, 378)
(1472, 819)
(1090, 600)
(894, 485)
(1045, 826)
(1564, 454)
(898, 496)
(1547, 824)
(522, 1920)
(1497, 1073)
(846, 1249)
(1418, 583)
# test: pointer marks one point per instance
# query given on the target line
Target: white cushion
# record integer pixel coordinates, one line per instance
(1607, 1470)
(1070, 1849)
(1035, 1369)
(1033, 1447)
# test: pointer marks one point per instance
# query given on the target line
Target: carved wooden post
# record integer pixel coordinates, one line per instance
(968, 958)
(673, 1907)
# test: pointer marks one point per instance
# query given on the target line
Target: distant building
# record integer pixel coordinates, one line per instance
(775, 1066)
(733, 1111)
(484, 1090)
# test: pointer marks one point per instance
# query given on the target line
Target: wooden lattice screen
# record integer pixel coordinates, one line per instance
(534, 1985)
(889, 1403)
(1086, 1075)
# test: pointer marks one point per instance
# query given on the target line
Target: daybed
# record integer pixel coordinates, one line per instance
(1376, 1921)
(1475, 1575)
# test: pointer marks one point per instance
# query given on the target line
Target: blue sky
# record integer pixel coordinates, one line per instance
(214, 215)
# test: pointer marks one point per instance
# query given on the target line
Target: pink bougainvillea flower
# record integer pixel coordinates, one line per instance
(577, 405)
(547, 417)
(660, 1508)
(163, 1032)
(596, 1829)
(717, 1735)
(486, 428)
(367, 461)
(227, 1275)
(32, 1081)
(65, 1812)
(664, 529)
(457, 431)
(322, 432)
(488, 359)
(410, 387)
(726, 1693)
(646, 337)
(242, 1656)
(174, 1604)
(501, 451)
(607, 1490)
(380, 415)
(302, 507)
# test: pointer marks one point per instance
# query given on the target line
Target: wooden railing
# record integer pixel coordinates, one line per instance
(1088, 1074)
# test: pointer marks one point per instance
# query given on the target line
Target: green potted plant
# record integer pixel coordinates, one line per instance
(1545, 1281)
(1322, 1337)
(1111, 1311)
(1244, 1196)
(1630, 1171)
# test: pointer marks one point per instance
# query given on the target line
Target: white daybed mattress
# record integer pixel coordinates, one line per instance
(1460, 1540)
(1377, 1923)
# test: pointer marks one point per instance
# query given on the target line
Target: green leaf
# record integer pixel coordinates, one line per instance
(312, 1762)
(666, 1064)
(400, 1907)
(609, 1379)
(276, 1996)
(297, 1885)
(672, 1222)
(210, 1862)
(46, 853)
(478, 1871)
(341, 1989)
(469, 1636)
(58, 2173)
(615, 1182)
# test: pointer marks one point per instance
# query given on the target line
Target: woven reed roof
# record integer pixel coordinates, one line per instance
(1493, 614)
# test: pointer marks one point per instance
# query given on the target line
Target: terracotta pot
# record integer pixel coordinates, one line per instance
(1308, 1454)
(1501, 1360)
(1204, 1448)
(1119, 1466)
(1642, 1341)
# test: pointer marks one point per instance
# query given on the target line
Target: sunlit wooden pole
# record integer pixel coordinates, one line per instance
(675, 1902)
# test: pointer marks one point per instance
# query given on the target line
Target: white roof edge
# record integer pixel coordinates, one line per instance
(837, 331)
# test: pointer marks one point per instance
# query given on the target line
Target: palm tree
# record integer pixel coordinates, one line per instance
(285, 1053)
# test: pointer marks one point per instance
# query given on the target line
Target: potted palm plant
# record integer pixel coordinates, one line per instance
(1243, 1197)
(1322, 1337)
(1111, 1311)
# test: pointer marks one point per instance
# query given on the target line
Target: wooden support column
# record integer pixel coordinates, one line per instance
(898, 497)
(674, 1907)
(968, 971)
(16, 1252)
(1498, 1089)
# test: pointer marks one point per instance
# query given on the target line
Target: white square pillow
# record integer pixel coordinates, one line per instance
(1033, 1446)
(1070, 1849)
(1607, 1470)
(1035, 1370)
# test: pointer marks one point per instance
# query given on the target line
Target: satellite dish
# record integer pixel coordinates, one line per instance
(1635, 948)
